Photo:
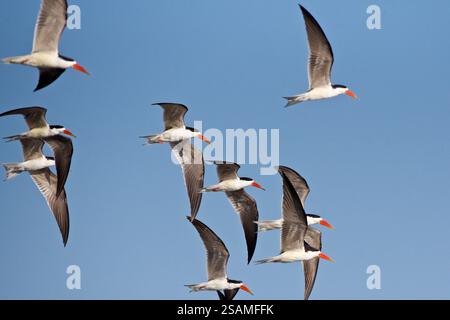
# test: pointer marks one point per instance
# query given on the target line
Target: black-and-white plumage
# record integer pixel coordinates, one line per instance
(242, 202)
(47, 183)
(295, 235)
(188, 156)
(301, 187)
(45, 56)
(217, 259)
(51, 134)
(320, 63)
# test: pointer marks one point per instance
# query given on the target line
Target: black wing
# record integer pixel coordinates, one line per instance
(47, 76)
(247, 209)
(228, 295)
(63, 149)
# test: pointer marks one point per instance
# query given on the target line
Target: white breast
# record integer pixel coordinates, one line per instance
(175, 135)
(39, 133)
(49, 60)
(322, 93)
(38, 164)
(312, 220)
(233, 185)
(296, 255)
(217, 284)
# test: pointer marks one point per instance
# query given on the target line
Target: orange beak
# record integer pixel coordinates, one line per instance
(351, 94)
(69, 133)
(325, 257)
(326, 224)
(201, 137)
(243, 287)
(256, 185)
(81, 69)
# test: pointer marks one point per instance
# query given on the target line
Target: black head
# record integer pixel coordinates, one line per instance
(50, 158)
(192, 129)
(234, 281)
(335, 86)
(56, 127)
(309, 248)
(313, 215)
(242, 286)
(66, 58)
(246, 179)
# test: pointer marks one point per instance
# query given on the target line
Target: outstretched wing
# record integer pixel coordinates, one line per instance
(294, 218)
(226, 170)
(34, 116)
(63, 149)
(227, 295)
(313, 238)
(298, 182)
(46, 182)
(216, 251)
(32, 149)
(320, 53)
(191, 161)
(246, 207)
(173, 115)
(50, 25)
(47, 76)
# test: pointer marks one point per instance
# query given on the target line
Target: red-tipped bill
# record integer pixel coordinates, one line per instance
(69, 133)
(202, 137)
(325, 257)
(256, 185)
(351, 94)
(243, 287)
(326, 224)
(81, 69)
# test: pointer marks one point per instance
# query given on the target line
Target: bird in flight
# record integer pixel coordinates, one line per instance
(244, 205)
(302, 189)
(217, 259)
(45, 55)
(189, 157)
(321, 61)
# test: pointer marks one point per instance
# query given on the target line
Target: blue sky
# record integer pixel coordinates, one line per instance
(378, 167)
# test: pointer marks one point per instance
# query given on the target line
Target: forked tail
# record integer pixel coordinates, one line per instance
(267, 260)
(193, 287)
(152, 139)
(12, 170)
(13, 138)
(15, 60)
(295, 99)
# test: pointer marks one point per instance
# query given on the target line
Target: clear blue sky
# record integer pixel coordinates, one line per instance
(378, 167)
